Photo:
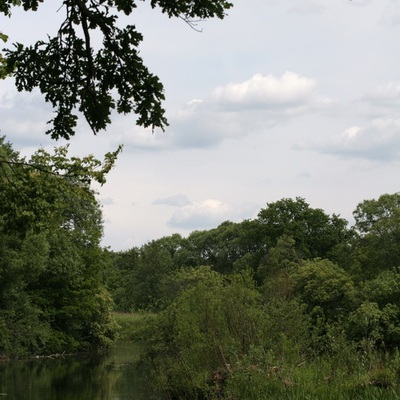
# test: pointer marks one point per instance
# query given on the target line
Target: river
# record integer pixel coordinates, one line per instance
(115, 376)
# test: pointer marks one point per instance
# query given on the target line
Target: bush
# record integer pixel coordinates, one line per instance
(210, 327)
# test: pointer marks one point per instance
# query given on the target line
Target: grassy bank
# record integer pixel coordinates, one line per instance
(132, 326)
(315, 381)
(347, 375)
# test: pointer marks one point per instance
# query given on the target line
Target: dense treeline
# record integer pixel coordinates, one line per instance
(52, 298)
(267, 298)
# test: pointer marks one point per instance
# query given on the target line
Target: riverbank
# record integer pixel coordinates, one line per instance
(284, 373)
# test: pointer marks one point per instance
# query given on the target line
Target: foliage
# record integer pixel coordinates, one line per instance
(205, 332)
(154, 264)
(377, 319)
(227, 248)
(149, 277)
(277, 264)
(133, 326)
(74, 75)
(316, 234)
(51, 296)
(119, 278)
(3, 61)
(142, 278)
(326, 288)
(378, 226)
(218, 341)
(379, 216)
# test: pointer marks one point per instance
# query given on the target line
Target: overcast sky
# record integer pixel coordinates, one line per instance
(280, 99)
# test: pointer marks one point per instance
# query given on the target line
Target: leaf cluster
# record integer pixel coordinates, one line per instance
(75, 76)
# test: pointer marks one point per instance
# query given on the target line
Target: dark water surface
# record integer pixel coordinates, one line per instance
(116, 376)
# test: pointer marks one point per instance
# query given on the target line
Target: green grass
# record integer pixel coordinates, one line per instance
(132, 325)
(316, 381)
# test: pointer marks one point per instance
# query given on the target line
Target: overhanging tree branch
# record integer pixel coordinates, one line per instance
(73, 76)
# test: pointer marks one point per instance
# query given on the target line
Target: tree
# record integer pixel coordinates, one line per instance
(51, 297)
(3, 61)
(210, 327)
(153, 265)
(274, 270)
(378, 217)
(33, 194)
(316, 233)
(118, 277)
(72, 74)
(229, 247)
(377, 318)
(377, 223)
(326, 288)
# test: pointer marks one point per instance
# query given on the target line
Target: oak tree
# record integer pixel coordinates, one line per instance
(75, 75)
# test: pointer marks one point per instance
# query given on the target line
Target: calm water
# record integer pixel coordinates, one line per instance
(116, 376)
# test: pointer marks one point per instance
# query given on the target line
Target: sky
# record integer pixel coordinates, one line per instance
(281, 99)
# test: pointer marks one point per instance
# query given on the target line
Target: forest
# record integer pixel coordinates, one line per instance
(292, 300)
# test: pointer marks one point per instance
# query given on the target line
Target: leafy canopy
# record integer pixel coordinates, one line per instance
(50, 190)
(377, 222)
(51, 298)
(73, 74)
(316, 233)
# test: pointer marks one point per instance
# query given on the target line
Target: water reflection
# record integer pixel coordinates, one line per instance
(116, 376)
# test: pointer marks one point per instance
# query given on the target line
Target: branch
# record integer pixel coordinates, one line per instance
(84, 13)
(92, 17)
(11, 164)
(191, 23)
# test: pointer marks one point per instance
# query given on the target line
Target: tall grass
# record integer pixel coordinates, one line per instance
(319, 379)
(132, 326)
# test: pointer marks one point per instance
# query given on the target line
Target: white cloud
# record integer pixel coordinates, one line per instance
(387, 95)
(205, 126)
(235, 143)
(229, 112)
(124, 130)
(202, 215)
(28, 128)
(380, 141)
(267, 91)
(391, 16)
(208, 214)
(179, 200)
(239, 109)
(360, 2)
(307, 7)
